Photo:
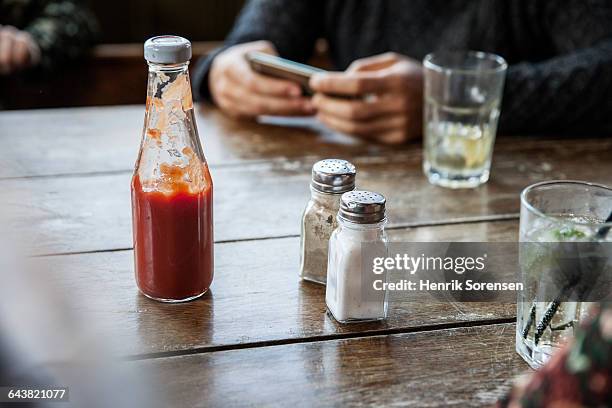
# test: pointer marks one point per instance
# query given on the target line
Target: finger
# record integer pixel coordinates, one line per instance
(233, 109)
(6, 46)
(360, 109)
(220, 97)
(374, 63)
(260, 46)
(394, 137)
(368, 129)
(223, 98)
(356, 83)
(262, 84)
(254, 104)
(20, 55)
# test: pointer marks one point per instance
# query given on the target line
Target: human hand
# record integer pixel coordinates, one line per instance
(18, 50)
(242, 92)
(378, 98)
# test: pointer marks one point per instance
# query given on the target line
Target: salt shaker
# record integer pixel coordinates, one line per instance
(350, 295)
(330, 179)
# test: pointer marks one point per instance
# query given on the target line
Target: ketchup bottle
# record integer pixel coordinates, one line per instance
(172, 191)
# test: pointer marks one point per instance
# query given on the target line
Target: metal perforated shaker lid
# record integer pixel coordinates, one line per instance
(167, 49)
(333, 176)
(362, 207)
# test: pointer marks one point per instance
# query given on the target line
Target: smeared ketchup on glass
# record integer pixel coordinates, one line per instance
(172, 191)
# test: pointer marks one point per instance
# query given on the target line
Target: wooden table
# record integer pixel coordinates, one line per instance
(260, 336)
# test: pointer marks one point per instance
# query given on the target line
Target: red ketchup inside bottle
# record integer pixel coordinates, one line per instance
(173, 237)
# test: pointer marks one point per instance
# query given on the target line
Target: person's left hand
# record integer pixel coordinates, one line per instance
(18, 50)
(378, 98)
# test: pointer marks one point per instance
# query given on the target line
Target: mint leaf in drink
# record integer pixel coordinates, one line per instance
(567, 233)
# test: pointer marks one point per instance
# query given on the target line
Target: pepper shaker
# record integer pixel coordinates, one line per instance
(330, 179)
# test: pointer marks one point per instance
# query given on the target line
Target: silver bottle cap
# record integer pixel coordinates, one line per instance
(362, 207)
(167, 49)
(333, 176)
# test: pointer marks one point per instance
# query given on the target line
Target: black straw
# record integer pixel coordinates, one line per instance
(603, 231)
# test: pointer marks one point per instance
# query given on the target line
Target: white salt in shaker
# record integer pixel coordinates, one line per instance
(330, 179)
(350, 294)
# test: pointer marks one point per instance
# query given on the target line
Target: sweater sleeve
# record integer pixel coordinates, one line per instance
(63, 29)
(292, 26)
(571, 90)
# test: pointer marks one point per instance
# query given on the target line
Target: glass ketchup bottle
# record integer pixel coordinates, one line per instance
(172, 191)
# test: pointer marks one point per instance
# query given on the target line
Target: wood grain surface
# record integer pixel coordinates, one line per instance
(260, 336)
(256, 297)
(265, 199)
(464, 367)
(106, 139)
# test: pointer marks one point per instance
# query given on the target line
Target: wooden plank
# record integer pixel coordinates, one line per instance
(102, 139)
(256, 297)
(266, 199)
(458, 367)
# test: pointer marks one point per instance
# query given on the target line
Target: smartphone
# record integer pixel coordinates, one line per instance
(282, 68)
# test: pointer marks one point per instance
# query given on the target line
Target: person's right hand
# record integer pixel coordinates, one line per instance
(241, 92)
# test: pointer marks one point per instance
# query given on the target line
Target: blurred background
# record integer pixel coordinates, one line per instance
(115, 72)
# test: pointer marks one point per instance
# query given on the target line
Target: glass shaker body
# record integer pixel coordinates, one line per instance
(318, 223)
(172, 193)
(330, 179)
(350, 295)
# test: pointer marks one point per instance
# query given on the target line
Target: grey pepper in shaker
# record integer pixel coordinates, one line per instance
(330, 179)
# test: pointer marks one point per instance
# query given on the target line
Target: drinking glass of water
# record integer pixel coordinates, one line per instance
(463, 92)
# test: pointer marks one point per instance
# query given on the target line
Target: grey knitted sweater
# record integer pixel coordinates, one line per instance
(559, 51)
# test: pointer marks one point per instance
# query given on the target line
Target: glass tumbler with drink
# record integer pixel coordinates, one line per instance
(565, 260)
(462, 96)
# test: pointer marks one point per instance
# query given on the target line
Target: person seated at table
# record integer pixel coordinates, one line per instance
(43, 33)
(559, 55)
